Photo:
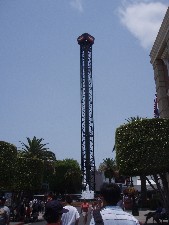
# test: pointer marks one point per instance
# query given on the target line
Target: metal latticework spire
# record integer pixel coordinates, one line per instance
(87, 124)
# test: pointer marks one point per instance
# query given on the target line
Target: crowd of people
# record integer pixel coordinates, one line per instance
(106, 210)
(25, 211)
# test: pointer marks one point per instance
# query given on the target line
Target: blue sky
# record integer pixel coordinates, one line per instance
(40, 69)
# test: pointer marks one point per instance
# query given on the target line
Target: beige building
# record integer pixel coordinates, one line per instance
(160, 60)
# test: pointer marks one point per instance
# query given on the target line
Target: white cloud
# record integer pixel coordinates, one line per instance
(143, 19)
(77, 4)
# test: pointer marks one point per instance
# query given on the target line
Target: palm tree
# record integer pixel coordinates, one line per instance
(133, 119)
(109, 168)
(35, 149)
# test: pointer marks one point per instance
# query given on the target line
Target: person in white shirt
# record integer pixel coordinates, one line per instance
(72, 216)
(111, 213)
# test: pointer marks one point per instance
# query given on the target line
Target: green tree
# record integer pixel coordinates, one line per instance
(67, 176)
(142, 149)
(109, 168)
(36, 149)
(133, 119)
(73, 176)
(8, 157)
(29, 174)
(48, 172)
(142, 177)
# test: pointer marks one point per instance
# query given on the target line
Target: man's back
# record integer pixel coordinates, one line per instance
(116, 216)
(71, 217)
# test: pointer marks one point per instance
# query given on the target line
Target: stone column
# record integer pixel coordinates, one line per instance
(162, 87)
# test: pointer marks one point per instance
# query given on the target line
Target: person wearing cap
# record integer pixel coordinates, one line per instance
(71, 217)
(4, 212)
(53, 212)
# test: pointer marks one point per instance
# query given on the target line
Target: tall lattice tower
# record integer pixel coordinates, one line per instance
(87, 124)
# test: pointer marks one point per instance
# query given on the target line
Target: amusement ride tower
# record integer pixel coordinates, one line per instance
(87, 124)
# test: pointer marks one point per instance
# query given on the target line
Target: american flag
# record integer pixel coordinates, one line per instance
(156, 111)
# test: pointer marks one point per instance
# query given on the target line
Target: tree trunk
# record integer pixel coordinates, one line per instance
(143, 191)
(163, 191)
(163, 177)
